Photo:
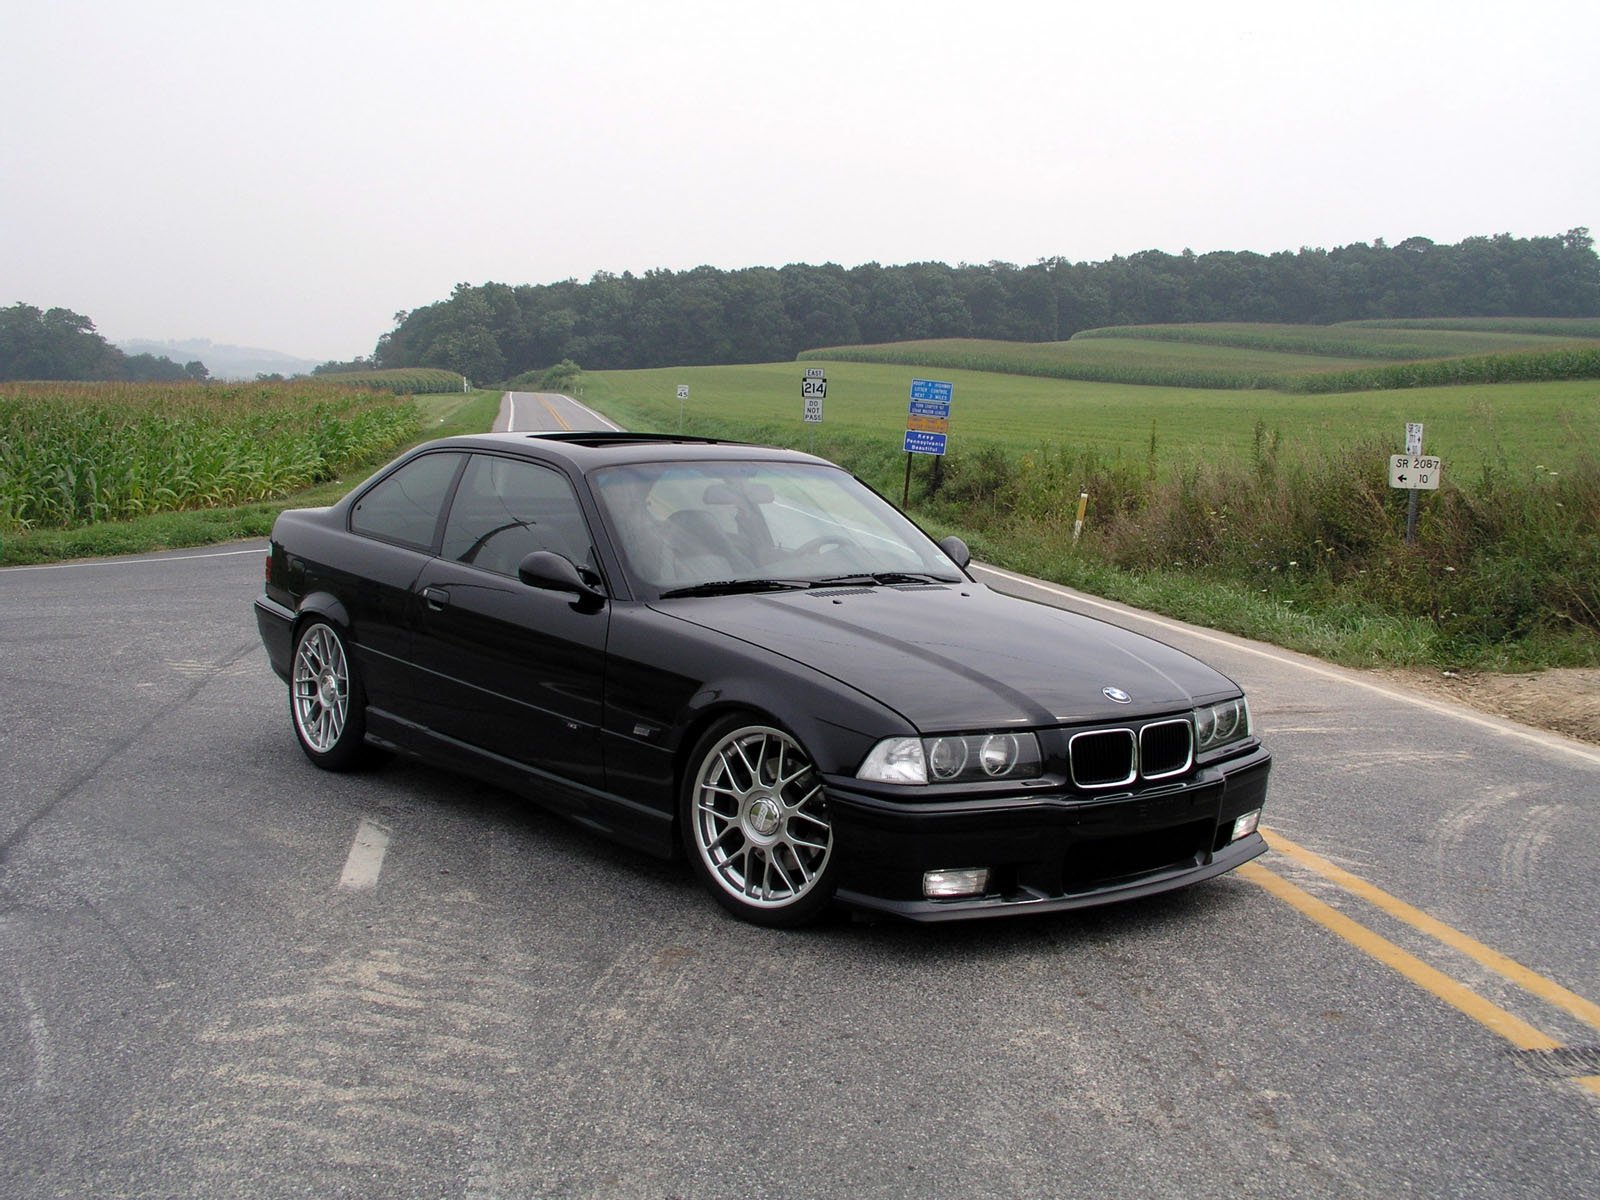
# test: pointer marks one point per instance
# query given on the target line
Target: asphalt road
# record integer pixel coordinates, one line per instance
(223, 972)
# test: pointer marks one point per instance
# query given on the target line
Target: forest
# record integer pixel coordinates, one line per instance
(58, 343)
(708, 316)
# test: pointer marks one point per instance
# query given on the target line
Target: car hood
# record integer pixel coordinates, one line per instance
(961, 656)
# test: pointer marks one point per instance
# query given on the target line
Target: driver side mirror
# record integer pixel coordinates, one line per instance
(956, 551)
(552, 572)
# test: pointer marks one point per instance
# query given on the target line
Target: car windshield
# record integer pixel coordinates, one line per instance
(717, 527)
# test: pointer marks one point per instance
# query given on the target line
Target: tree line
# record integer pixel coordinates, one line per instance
(708, 316)
(58, 343)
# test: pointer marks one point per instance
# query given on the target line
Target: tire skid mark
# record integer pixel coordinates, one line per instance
(339, 1060)
(160, 716)
(1527, 842)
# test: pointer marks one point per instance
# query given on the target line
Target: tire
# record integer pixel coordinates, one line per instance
(326, 703)
(755, 823)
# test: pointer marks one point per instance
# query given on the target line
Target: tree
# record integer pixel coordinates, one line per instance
(60, 344)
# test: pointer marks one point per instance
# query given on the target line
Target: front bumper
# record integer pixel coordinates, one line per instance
(1046, 853)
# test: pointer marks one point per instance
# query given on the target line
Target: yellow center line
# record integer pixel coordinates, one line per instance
(1508, 968)
(1516, 1031)
(549, 408)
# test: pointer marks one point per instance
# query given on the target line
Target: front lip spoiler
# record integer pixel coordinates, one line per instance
(1152, 883)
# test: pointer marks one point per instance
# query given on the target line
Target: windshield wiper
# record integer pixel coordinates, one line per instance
(734, 587)
(868, 578)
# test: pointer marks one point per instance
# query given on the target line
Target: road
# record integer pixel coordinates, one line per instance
(223, 972)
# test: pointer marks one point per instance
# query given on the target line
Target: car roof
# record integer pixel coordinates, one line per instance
(586, 450)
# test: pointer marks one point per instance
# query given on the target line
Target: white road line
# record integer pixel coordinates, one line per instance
(124, 562)
(365, 860)
(1504, 728)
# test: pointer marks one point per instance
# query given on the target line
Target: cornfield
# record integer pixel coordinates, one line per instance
(402, 381)
(76, 454)
(1293, 359)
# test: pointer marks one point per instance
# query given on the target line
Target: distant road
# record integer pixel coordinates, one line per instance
(546, 412)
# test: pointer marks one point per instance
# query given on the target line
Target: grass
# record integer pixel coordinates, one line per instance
(1538, 423)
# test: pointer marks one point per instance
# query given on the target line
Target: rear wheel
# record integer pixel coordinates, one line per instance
(325, 698)
(756, 824)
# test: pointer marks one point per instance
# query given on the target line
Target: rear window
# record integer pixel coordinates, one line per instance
(405, 506)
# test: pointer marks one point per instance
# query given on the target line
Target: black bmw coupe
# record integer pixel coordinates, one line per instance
(748, 653)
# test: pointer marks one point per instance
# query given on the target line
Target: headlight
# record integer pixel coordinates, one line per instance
(1216, 725)
(959, 758)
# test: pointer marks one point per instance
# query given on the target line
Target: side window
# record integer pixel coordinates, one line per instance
(507, 508)
(405, 507)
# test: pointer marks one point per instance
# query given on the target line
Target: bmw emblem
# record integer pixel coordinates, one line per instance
(1116, 695)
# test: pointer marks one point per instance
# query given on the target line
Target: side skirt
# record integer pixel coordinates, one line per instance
(633, 824)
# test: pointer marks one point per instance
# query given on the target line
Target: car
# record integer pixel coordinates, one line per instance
(748, 656)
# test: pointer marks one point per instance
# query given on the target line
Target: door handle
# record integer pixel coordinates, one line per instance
(437, 598)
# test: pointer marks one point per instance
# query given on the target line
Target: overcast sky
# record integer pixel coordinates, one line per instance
(288, 175)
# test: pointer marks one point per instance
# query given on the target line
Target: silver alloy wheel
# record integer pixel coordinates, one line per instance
(321, 688)
(760, 820)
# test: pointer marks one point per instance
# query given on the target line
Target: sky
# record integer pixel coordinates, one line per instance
(290, 175)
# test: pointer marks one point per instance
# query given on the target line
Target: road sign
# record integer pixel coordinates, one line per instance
(921, 442)
(1413, 438)
(1415, 472)
(813, 409)
(928, 418)
(815, 372)
(813, 388)
(683, 391)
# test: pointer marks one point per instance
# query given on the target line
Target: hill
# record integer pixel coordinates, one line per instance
(1349, 357)
(223, 361)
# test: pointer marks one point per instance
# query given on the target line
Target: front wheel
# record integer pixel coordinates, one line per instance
(325, 698)
(756, 825)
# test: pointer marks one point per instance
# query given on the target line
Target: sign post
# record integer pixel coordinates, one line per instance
(1415, 472)
(927, 423)
(683, 398)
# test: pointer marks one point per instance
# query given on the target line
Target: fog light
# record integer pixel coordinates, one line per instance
(969, 881)
(1246, 825)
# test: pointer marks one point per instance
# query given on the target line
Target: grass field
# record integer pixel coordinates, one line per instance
(1524, 425)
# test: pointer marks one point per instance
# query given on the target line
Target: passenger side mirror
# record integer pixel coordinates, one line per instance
(551, 572)
(956, 550)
